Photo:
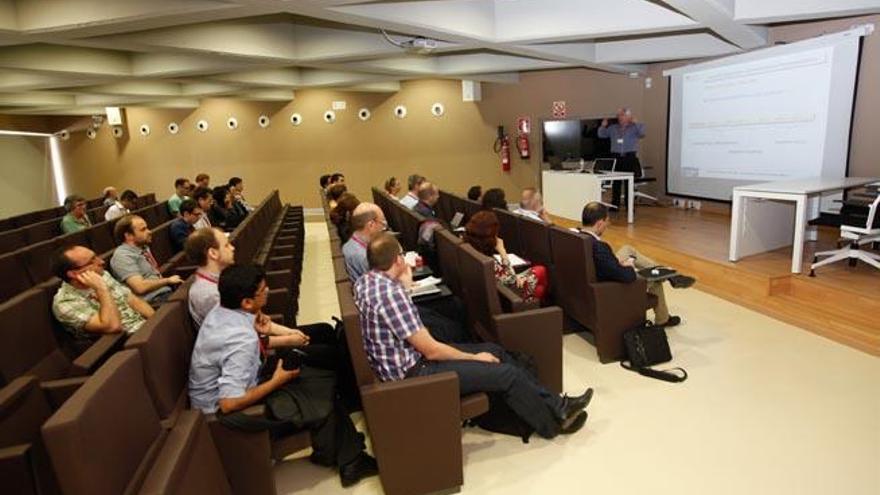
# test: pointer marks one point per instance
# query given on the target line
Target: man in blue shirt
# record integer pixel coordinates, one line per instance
(624, 136)
(226, 378)
(184, 225)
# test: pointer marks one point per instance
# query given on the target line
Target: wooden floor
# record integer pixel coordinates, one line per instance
(841, 303)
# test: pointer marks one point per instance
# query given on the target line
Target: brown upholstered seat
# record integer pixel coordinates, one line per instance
(28, 346)
(415, 423)
(536, 332)
(24, 465)
(606, 308)
(128, 450)
(11, 240)
(14, 279)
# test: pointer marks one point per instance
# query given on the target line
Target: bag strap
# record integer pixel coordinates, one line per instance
(664, 375)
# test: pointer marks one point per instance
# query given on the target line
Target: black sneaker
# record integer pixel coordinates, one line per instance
(573, 424)
(362, 467)
(671, 322)
(682, 281)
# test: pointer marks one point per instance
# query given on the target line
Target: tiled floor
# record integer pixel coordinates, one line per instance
(768, 408)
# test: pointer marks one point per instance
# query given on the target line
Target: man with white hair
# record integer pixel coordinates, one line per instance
(531, 204)
(624, 136)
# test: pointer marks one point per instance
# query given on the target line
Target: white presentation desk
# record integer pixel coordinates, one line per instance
(761, 214)
(565, 193)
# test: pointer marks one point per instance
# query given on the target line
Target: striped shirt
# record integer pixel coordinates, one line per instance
(387, 317)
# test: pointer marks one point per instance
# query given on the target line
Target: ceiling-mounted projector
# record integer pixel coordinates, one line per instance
(420, 46)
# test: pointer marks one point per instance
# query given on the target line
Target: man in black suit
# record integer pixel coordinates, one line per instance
(621, 267)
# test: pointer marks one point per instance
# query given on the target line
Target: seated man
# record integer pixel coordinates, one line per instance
(399, 346)
(475, 193)
(367, 219)
(109, 195)
(428, 197)
(225, 378)
(411, 198)
(184, 225)
(531, 205)
(204, 197)
(203, 180)
(90, 302)
(134, 264)
(181, 192)
(623, 266)
(76, 218)
(121, 207)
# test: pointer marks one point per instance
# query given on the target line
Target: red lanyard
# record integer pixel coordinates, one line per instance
(151, 259)
(357, 240)
(205, 277)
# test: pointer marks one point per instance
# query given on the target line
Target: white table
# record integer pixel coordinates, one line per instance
(761, 214)
(565, 193)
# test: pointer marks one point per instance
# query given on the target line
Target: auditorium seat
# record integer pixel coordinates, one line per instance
(447, 255)
(537, 332)
(128, 450)
(165, 345)
(78, 238)
(150, 215)
(414, 423)
(101, 237)
(28, 346)
(25, 468)
(15, 278)
(339, 271)
(37, 258)
(42, 231)
(509, 231)
(11, 240)
(607, 309)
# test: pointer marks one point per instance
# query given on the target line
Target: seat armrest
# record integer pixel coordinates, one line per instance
(512, 302)
(93, 357)
(17, 469)
(58, 391)
(537, 333)
(13, 390)
(246, 456)
(407, 416)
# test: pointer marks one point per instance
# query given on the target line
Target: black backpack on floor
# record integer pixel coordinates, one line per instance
(501, 418)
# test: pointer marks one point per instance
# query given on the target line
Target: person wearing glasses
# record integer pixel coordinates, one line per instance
(367, 220)
(90, 302)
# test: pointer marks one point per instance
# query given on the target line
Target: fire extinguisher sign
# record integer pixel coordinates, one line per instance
(559, 109)
(524, 125)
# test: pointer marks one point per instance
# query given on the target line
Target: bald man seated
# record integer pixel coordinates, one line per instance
(367, 219)
(531, 205)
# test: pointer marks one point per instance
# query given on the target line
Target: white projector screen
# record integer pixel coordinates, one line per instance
(773, 114)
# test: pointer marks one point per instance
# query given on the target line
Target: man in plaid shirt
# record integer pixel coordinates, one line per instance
(398, 346)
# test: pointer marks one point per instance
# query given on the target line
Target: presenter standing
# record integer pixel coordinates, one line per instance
(624, 136)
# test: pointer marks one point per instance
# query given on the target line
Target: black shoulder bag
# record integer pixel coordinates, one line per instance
(646, 345)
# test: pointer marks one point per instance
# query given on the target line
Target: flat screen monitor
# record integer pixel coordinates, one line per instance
(573, 140)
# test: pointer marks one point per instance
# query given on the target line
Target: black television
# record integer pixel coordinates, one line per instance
(572, 140)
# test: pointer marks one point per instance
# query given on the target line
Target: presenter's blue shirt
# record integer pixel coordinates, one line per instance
(623, 139)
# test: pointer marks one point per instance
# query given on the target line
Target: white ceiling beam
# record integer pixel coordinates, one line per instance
(136, 88)
(266, 94)
(284, 76)
(717, 16)
(36, 99)
(763, 12)
(681, 47)
(66, 59)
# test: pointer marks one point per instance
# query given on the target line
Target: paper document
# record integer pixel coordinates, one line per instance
(515, 260)
(427, 285)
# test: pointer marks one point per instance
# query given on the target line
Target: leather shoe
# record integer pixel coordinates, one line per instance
(573, 424)
(572, 405)
(671, 322)
(682, 281)
(362, 467)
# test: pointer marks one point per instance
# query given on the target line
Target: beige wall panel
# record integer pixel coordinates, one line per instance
(26, 182)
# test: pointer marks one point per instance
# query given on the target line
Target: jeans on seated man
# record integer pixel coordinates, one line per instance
(399, 346)
(225, 372)
(622, 266)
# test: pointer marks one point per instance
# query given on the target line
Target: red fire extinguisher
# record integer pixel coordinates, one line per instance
(502, 147)
(522, 144)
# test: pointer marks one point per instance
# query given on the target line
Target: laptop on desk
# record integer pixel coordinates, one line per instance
(604, 165)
